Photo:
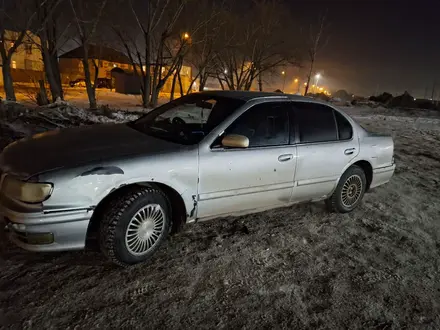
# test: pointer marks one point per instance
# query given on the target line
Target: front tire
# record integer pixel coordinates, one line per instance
(135, 224)
(349, 192)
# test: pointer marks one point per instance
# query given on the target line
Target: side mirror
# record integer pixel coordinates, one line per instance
(235, 141)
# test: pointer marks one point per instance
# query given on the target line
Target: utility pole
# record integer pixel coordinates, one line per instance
(433, 91)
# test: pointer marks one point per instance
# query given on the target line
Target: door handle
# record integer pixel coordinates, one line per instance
(349, 151)
(285, 157)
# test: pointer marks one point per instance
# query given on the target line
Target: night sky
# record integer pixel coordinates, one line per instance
(389, 45)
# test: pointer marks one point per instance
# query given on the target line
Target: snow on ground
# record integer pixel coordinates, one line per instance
(296, 267)
(77, 96)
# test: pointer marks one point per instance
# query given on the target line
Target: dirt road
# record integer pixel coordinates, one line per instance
(296, 267)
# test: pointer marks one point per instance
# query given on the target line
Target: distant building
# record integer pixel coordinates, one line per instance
(108, 59)
(26, 63)
(114, 65)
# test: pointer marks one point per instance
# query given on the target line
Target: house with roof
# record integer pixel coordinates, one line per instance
(114, 65)
(107, 60)
(26, 63)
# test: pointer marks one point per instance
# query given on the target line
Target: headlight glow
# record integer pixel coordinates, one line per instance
(27, 192)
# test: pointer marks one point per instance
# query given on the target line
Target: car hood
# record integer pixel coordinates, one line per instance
(70, 147)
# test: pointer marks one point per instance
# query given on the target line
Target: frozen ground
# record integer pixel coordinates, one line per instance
(297, 267)
(77, 96)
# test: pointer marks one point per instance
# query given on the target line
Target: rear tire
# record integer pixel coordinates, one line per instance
(349, 191)
(134, 225)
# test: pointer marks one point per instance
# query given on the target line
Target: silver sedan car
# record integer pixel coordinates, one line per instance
(199, 157)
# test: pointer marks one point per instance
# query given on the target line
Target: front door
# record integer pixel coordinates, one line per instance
(325, 146)
(260, 176)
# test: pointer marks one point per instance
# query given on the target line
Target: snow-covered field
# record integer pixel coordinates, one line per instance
(297, 267)
(77, 96)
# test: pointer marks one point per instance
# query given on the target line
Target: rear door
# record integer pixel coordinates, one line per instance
(325, 145)
(234, 180)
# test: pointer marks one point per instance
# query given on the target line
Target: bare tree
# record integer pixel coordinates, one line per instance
(165, 33)
(177, 78)
(206, 43)
(150, 43)
(314, 44)
(19, 16)
(87, 14)
(51, 40)
(256, 45)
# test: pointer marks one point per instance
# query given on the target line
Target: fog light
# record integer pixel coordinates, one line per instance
(44, 238)
(19, 226)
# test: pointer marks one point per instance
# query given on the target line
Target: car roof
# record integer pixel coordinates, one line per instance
(250, 95)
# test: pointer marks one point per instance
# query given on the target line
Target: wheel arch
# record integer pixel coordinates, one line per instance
(368, 170)
(177, 205)
(365, 165)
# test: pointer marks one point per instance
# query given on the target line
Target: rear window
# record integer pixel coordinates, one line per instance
(316, 122)
(345, 131)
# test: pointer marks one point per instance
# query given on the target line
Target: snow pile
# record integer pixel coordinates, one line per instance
(17, 121)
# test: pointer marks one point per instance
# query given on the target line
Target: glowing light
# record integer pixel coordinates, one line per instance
(283, 72)
(186, 36)
(296, 80)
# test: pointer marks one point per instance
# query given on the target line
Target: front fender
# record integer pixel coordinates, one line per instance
(85, 187)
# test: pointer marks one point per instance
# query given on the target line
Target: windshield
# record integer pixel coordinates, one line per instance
(187, 120)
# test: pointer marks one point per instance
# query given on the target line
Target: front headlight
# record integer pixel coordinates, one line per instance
(28, 192)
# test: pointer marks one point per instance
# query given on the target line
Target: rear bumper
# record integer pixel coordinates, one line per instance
(382, 175)
(40, 231)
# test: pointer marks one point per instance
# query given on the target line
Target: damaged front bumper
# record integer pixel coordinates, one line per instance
(33, 229)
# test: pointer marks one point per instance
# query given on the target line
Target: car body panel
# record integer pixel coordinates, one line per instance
(248, 177)
(319, 167)
(256, 176)
(180, 173)
(212, 182)
(91, 145)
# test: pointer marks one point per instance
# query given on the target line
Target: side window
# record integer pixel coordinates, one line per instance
(265, 124)
(345, 130)
(316, 122)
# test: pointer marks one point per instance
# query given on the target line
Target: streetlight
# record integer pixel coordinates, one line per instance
(296, 81)
(186, 36)
(284, 80)
(317, 76)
